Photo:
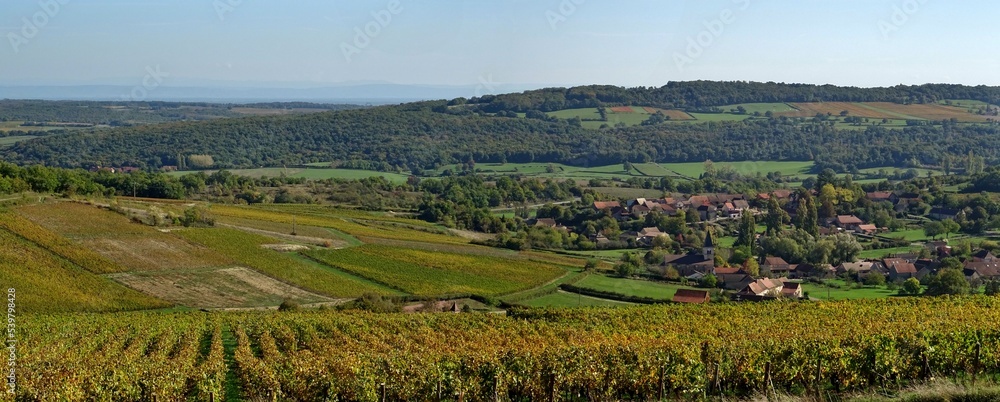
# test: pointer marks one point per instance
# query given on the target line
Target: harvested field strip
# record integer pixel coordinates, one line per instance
(890, 112)
(218, 288)
(931, 111)
(622, 109)
(811, 109)
(161, 252)
(245, 248)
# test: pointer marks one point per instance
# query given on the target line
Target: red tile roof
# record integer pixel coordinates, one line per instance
(691, 296)
(848, 220)
(607, 204)
(904, 268)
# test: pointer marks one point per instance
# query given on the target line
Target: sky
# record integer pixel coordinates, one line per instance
(306, 43)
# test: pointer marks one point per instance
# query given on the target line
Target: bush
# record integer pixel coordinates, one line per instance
(288, 305)
(910, 287)
(875, 279)
(993, 288)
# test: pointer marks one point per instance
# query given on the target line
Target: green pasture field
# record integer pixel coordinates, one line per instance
(885, 252)
(829, 293)
(627, 192)
(8, 141)
(748, 168)
(652, 169)
(912, 235)
(966, 103)
(631, 287)
(761, 107)
(704, 117)
(614, 255)
(16, 126)
(922, 172)
(561, 299)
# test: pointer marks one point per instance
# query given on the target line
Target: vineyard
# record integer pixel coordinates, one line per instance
(134, 246)
(353, 223)
(630, 353)
(47, 282)
(51, 241)
(434, 273)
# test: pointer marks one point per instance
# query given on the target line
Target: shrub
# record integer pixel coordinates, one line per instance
(288, 305)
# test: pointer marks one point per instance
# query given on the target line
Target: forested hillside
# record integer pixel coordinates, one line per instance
(700, 94)
(419, 136)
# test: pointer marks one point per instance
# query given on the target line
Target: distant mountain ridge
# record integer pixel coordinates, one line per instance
(358, 93)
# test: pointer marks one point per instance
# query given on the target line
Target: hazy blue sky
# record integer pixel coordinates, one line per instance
(551, 42)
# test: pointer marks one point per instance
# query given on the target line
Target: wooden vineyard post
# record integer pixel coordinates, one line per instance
(767, 381)
(662, 385)
(211, 397)
(381, 392)
(976, 363)
(716, 379)
(819, 379)
(926, 369)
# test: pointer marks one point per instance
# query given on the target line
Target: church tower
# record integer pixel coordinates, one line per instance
(708, 250)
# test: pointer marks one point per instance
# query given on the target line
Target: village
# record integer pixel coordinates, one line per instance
(707, 251)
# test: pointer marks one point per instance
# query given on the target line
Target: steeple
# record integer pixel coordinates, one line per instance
(708, 250)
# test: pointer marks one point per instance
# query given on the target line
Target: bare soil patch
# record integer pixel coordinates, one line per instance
(218, 288)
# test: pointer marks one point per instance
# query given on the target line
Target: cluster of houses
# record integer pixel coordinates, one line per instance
(981, 266)
(708, 207)
(695, 266)
(123, 169)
